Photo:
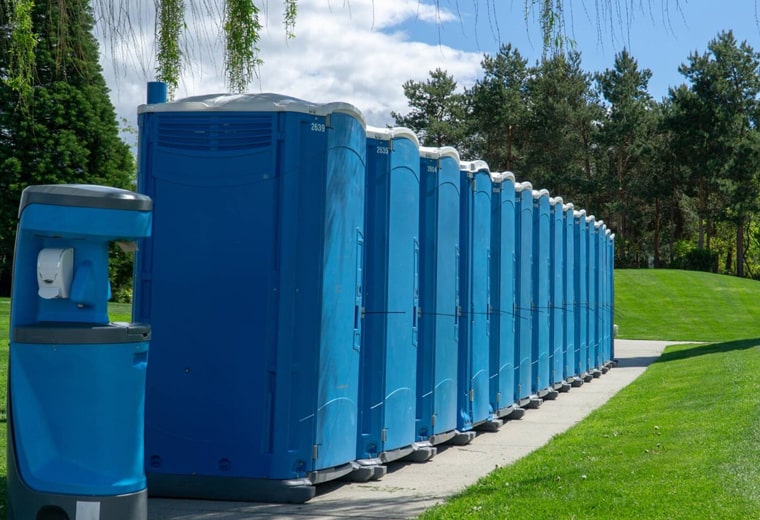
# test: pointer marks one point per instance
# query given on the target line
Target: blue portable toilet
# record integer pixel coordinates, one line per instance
(441, 307)
(571, 364)
(502, 339)
(557, 273)
(258, 232)
(540, 378)
(475, 297)
(388, 373)
(524, 295)
(581, 295)
(592, 297)
(76, 382)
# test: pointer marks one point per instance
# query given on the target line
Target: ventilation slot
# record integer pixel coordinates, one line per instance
(221, 133)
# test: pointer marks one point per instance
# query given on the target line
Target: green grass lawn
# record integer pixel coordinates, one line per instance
(681, 442)
(685, 305)
(120, 311)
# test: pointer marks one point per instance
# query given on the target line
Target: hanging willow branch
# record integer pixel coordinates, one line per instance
(241, 52)
(289, 18)
(23, 42)
(551, 18)
(171, 20)
(238, 19)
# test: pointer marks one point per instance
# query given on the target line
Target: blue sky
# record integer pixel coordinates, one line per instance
(362, 51)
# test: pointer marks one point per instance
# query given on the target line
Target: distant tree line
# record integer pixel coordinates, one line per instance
(677, 180)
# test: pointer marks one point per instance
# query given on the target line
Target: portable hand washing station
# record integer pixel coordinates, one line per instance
(76, 383)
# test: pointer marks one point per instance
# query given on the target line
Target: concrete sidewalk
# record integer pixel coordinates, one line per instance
(408, 489)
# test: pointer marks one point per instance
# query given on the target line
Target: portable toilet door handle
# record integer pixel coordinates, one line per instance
(358, 309)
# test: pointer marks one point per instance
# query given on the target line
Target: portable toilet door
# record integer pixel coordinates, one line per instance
(540, 379)
(388, 370)
(600, 283)
(502, 339)
(606, 297)
(557, 296)
(611, 246)
(258, 230)
(475, 291)
(571, 365)
(581, 295)
(524, 294)
(438, 348)
(592, 295)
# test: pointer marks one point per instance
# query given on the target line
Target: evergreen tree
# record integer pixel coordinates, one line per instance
(560, 128)
(724, 105)
(64, 130)
(438, 111)
(627, 135)
(498, 107)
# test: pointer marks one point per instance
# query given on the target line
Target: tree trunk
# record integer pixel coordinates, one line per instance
(657, 232)
(740, 247)
(701, 215)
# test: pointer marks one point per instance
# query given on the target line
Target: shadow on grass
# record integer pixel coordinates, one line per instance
(3, 495)
(706, 349)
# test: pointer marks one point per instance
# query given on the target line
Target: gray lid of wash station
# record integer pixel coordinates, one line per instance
(84, 196)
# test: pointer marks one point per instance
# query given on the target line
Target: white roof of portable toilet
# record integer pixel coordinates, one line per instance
(502, 176)
(474, 166)
(520, 186)
(386, 134)
(439, 153)
(537, 194)
(264, 102)
(555, 200)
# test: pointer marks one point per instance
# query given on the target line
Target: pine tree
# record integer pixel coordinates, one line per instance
(723, 107)
(438, 111)
(560, 128)
(498, 108)
(64, 129)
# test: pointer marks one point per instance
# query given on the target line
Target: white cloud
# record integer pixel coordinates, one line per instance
(355, 51)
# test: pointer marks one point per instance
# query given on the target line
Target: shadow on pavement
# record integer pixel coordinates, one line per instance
(381, 507)
(639, 361)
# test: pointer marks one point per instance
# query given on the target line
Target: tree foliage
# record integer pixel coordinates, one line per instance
(67, 130)
(498, 105)
(438, 110)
